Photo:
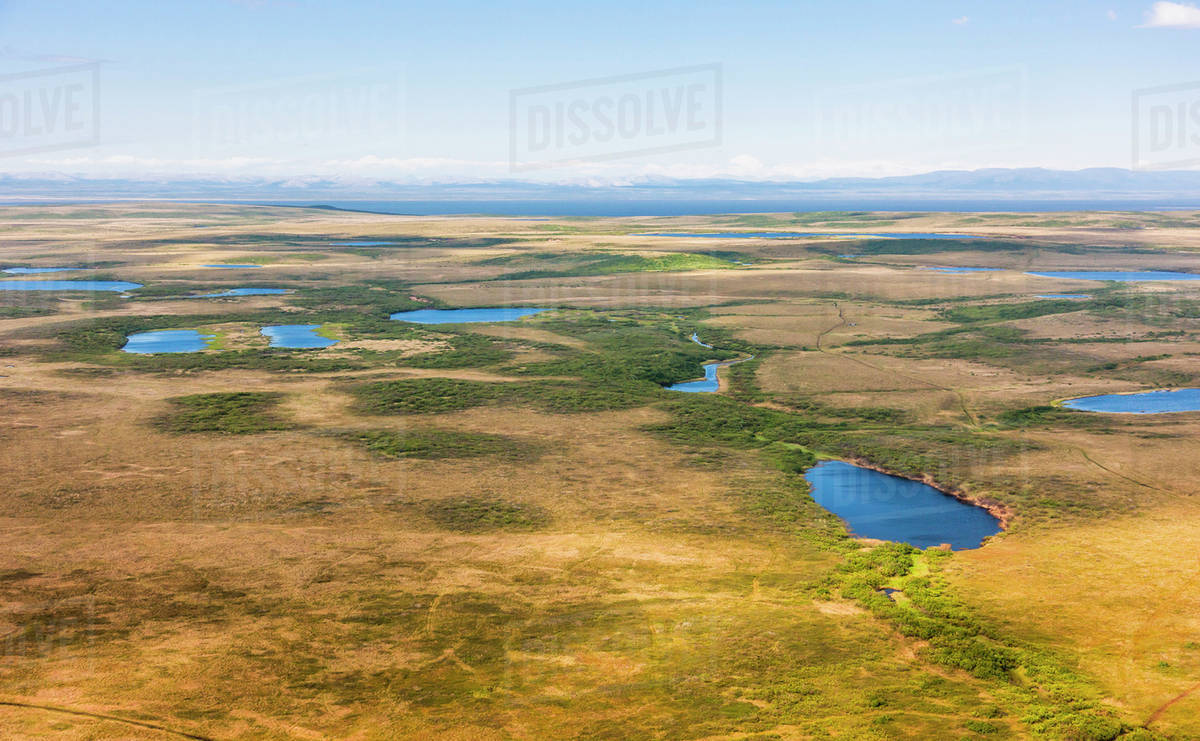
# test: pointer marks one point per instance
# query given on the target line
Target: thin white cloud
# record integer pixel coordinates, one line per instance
(1172, 15)
(1112, 15)
(961, 21)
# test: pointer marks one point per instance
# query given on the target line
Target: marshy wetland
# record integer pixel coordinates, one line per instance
(423, 523)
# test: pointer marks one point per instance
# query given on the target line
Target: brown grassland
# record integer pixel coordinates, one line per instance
(509, 531)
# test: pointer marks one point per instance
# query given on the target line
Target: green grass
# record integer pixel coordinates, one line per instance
(1006, 312)
(625, 349)
(229, 413)
(20, 312)
(1058, 703)
(572, 264)
(467, 351)
(473, 514)
(440, 395)
(272, 259)
(918, 246)
(432, 444)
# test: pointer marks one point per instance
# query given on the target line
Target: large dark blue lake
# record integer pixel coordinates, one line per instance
(298, 336)
(119, 286)
(1147, 402)
(464, 316)
(1131, 276)
(799, 235)
(167, 340)
(876, 505)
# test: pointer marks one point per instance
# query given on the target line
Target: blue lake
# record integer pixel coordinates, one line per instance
(706, 386)
(35, 271)
(876, 505)
(1147, 402)
(298, 336)
(1122, 275)
(464, 316)
(244, 292)
(1064, 295)
(232, 265)
(119, 286)
(167, 340)
(798, 235)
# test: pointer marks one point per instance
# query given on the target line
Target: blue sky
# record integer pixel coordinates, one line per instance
(425, 91)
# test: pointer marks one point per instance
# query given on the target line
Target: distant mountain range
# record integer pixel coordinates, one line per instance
(1029, 183)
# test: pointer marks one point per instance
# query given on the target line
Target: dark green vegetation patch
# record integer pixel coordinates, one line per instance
(474, 514)
(436, 395)
(568, 264)
(432, 444)
(918, 246)
(230, 413)
(1060, 703)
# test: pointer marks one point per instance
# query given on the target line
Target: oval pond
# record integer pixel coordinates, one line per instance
(876, 505)
(167, 340)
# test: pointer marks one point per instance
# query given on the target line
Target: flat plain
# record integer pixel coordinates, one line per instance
(512, 530)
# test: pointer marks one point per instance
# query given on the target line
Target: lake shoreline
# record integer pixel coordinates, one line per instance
(996, 509)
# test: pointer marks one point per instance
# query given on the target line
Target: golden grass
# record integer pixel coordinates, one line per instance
(293, 585)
